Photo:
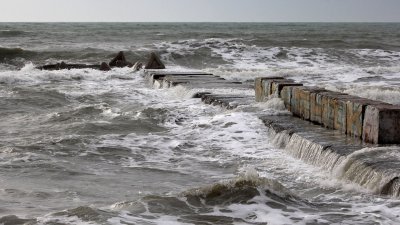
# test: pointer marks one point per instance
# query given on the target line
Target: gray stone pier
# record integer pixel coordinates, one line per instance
(374, 121)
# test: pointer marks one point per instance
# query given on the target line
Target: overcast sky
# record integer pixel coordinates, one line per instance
(200, 10)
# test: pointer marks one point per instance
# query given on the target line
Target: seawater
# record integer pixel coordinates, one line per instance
(92, 147)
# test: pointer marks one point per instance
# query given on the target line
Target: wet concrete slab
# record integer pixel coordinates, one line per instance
(166, 79)
(382, 124)
(226, 101)
(152, 75)
(324, 137)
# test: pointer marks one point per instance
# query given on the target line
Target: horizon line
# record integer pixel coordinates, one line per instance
(199, 21)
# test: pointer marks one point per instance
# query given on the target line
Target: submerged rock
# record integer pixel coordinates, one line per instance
(154, 62)
(63, 65)
(49, 67)
(104, 66)
(14, 220)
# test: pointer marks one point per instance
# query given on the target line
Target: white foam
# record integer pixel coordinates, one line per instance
(316, 66)
(63, 220)
(380, 93)
(126, 217)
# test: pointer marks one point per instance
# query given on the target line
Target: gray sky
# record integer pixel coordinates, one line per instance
(200, 10)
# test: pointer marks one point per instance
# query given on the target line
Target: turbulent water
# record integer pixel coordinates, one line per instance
(92, 147)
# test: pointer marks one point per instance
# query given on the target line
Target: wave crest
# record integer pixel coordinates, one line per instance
(241, 189)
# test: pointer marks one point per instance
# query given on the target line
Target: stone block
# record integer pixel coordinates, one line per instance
(277, 86)
(340, 112)
(286, 95)
(263, 87)
(316, 108)
(355, 109)
(304, 106)
(303, 97)
(382, 124)
(259, 90)
(329, 103)
(295, 100)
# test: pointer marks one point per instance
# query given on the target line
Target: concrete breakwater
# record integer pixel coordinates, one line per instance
(374, 121)
(347, 157)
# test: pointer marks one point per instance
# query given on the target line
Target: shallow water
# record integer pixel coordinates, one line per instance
(91, 147)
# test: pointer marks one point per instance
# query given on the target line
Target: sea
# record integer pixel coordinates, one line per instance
(83, 146)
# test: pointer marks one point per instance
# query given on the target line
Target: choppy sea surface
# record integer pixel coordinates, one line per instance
(92, 147)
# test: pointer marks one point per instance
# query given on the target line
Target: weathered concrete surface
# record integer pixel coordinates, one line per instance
(382, 124)
(173, 81)
(62, 65)
(324, 137)
(194, 80)
(329, 102)
(259, 89)
(278, 85)
(340, 110)
(153, 75)
(305, 100)
(333, 110)
(217, 85)
(262, 87)
(296, 100)
(227, 101)
(316, 108)
(355, 110)
(286, 96)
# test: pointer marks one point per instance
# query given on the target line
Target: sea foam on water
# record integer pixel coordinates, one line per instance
(83, 146)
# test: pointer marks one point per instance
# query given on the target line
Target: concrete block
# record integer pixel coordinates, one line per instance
(295, 100)
(329, 102)
(303, 101)
(304, 105)
(340, 112)
(382, 124)
(259, 90)
(152, 75)
(355, 110)
(286, 95)
(316, 108)
(267, 84)
(277, 86)
(263, 87)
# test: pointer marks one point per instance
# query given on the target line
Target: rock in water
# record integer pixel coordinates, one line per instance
(63, 65)
(138, 65)
(104, 66)
(154, 62)
(119, 60)
(50, 67)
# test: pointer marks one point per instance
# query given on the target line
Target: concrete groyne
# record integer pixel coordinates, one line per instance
(373, 121)
(347, 157)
